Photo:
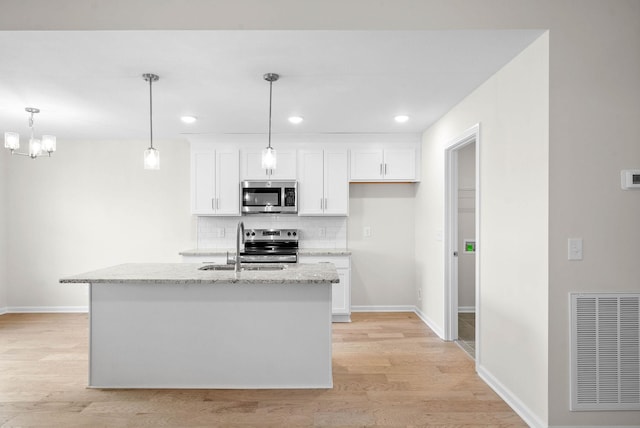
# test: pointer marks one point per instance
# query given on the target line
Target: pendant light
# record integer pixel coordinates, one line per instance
(151, 155)
(269, 160)
(37, 147)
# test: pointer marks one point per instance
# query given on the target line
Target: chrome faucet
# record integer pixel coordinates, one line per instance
(239, 237)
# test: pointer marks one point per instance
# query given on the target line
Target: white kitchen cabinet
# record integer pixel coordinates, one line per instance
(251, 160)
(380, 165)
(215, 177)
(323, 182)
(340, 292)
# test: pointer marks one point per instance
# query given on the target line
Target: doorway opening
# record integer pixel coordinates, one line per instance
(462, 249)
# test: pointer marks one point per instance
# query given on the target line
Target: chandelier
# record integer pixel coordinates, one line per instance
(37, 147)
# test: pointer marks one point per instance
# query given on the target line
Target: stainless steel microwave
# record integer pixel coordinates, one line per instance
(269, 197)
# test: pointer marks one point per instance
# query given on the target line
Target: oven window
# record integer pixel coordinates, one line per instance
(253, 197)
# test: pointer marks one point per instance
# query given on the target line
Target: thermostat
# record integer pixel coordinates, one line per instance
(630, 179)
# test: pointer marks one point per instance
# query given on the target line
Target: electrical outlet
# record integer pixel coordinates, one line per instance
(322, 232)
(367, 231)
(221, 232)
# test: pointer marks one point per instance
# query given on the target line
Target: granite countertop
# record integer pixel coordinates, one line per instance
(188, 273)
(301, 251)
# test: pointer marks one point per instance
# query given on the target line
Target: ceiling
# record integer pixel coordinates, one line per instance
(89, 85)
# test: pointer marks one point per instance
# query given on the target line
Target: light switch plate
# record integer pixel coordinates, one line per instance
(575, 249)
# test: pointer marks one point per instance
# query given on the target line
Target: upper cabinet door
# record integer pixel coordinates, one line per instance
(336, 182)
(227, 182)
(366, 164)
(380, 165)
(215, 177)
(203, 181)
(286, 165)
(399, 164)
(310, 183)
(252, 165)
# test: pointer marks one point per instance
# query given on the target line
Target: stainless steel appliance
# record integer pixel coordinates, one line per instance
(270, 246)
(269, 197)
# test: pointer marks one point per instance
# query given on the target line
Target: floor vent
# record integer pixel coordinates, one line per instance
(605, 351)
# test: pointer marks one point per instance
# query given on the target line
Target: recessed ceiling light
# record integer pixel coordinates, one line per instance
(401, 118)
(188, 119)
(296, 119)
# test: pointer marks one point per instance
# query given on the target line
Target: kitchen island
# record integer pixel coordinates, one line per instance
(175, 326)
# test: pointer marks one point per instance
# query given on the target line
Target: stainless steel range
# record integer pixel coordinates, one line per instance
(270, 246)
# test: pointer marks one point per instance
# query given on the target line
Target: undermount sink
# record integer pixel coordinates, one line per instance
(244, 267)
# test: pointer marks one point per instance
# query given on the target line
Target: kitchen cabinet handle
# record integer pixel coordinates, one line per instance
(213, 203)
(385, 169)
(217, 203)
(321, 204)
(380, 169)
(325, 203)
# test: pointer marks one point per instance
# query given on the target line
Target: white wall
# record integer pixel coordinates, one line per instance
(3, 228)
(512, 109)
(90, 206)
(382, 265)
(595, 133)
(466, 225)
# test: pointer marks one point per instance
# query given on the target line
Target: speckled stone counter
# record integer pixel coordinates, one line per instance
(196, 252)
(188, 273)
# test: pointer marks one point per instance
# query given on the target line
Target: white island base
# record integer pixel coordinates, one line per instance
(210, 336)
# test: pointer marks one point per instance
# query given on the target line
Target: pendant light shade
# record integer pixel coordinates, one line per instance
(151, 155)
(269, 158)
(151, 159)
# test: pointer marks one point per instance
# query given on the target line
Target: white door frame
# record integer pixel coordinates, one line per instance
(469, 136)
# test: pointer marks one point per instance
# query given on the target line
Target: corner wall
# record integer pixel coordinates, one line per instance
(382, 265)
(90, 206)
(4, 207)
(512, 108)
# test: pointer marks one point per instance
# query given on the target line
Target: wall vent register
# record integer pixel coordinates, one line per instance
(605, 351)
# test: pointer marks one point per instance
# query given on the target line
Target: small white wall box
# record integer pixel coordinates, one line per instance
(469, 245)
(630, 179)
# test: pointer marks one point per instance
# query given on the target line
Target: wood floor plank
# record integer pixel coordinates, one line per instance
(389, 370)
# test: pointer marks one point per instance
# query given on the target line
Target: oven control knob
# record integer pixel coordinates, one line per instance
(288, 233)
(253, 234)
(294, 233)
(248, 233)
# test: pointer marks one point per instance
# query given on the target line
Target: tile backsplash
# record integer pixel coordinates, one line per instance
(315, 232)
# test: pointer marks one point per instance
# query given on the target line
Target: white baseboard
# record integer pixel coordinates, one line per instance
(518, 406)
(3, 311)
(380, 308)
(429, 322)
(46, 309)
(466, 309)
(594, 426)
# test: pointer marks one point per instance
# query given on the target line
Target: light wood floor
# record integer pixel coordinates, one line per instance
(467, 332)
(389, 370)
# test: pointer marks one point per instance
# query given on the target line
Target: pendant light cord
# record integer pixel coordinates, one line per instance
(270, 102)
(151, 111)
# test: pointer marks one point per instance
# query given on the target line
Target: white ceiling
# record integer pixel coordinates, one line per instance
(89, 85)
